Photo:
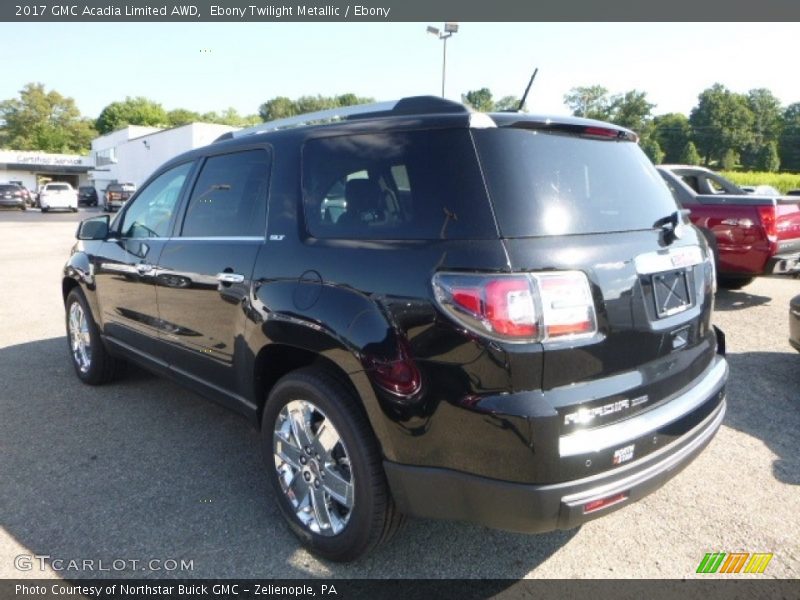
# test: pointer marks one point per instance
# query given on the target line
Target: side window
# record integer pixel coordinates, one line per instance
(151, 213)
(230, 196)
(418, 185)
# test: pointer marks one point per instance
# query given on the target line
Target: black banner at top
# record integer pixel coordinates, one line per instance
(395, 10)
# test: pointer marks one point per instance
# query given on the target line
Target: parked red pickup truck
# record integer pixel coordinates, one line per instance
(751, 235)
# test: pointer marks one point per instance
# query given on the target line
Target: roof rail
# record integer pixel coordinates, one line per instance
(406, 106)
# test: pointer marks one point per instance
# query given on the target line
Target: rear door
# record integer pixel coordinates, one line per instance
(204, 273)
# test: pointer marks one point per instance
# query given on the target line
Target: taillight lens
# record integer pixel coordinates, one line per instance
(769, 221)
(520, 308)
(398, 375)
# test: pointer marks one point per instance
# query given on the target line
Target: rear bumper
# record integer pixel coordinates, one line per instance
(531, 508)
(784, 263)
(12, 202)
(58, 202)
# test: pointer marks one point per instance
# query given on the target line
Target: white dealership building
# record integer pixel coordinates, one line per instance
(32, 169)
(128, 155)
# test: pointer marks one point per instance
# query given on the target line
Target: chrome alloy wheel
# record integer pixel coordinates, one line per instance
(79, 337)
(313, 467)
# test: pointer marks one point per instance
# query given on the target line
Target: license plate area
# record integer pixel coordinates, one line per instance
(671, 293)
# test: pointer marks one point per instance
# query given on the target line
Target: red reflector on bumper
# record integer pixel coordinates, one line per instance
(604, 502)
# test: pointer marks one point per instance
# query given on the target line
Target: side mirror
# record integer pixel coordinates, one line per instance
(95, 228)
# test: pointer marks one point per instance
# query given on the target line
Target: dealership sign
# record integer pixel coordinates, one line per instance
(42, 159)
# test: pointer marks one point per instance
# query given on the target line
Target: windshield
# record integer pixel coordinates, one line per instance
(544, 183)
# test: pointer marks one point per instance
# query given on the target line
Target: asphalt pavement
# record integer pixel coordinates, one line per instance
(143, 470)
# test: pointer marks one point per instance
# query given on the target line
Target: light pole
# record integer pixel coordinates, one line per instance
(449, 30)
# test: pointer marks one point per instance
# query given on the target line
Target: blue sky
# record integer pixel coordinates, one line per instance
(211, 66)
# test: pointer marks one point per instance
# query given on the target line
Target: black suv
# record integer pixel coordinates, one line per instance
(87, 195)
(13, 196)
(427, 311)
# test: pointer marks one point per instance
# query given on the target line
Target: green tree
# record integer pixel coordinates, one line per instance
(673, 133)
(45, 121)
(231, 117)
(767, 121)
(721, 122)
(767, 158)
(688, 155)
(281, 106)
(131, 111)
(483, 100)
(480, 100)
(729, 160)
(631, 110)
(182, 116)
(508, 103)
(652, 150)
(789, 141)
(591, 102)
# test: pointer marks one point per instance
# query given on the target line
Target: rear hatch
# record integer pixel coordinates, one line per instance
(587, 199)
(120, 193)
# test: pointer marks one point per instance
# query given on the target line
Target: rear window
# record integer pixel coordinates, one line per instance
(9, 188)
(419, 185)
(545, 183)
(58, 187)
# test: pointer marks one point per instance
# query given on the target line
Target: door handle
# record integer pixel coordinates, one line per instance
(230, 278)
(144, 268)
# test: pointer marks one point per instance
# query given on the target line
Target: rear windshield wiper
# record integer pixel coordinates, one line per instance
(672, 226)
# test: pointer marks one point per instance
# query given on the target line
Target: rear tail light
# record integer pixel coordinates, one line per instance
(520, 308)
(769, 221)
(602, 132)
(596, 505)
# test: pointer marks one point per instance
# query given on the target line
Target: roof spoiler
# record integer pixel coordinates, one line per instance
(414, 105)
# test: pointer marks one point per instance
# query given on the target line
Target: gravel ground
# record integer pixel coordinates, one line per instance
(144, 469)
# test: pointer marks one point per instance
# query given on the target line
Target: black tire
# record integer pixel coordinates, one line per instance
(44, 210)
(74, 210)
(102, 367)
(734, 283)
(373, 518)
(23, 207)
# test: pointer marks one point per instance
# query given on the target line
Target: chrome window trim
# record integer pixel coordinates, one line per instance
(668, 260)
(211, 238)
(242, 238)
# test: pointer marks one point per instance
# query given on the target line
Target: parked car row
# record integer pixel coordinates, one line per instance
(61, 195)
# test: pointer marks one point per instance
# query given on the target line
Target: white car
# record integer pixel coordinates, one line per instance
(58, 195)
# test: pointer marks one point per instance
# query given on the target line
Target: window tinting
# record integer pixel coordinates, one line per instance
(549, 184)
(151, 212)
(407, 185)
(229, 197)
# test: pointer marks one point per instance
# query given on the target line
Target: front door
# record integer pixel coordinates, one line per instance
(125, 265)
